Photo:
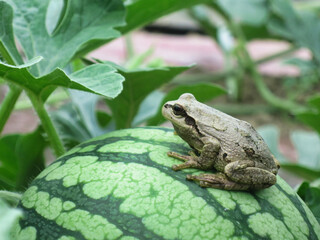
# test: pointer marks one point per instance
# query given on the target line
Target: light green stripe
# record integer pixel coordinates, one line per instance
(89, 225)
(66, 238)
(265, 225)
(296, 225)
(143, 134)
(166, 206)
(311, 218)
(28, 233)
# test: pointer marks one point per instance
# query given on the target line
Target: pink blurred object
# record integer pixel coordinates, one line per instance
(189, 49)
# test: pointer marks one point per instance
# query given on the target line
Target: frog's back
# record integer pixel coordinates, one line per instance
(248, 144)
(238, 139)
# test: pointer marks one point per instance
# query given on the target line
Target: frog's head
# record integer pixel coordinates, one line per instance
(181, 113)
(178, 111)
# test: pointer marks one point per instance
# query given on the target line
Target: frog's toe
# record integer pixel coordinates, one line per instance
(175, 167)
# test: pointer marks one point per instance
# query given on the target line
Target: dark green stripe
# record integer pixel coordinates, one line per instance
(294, 199)
(107, 207)
(46, 229)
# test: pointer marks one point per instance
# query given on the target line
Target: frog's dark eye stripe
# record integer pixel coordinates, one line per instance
(190, 121)
(178, 110)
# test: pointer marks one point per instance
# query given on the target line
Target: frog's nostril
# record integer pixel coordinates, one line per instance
(167, 105)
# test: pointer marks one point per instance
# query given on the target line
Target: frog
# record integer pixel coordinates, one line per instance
(231, 153)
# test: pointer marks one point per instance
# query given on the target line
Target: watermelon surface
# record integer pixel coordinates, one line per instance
(121, 186)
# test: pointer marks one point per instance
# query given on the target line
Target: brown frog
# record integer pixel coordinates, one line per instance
(229, 145)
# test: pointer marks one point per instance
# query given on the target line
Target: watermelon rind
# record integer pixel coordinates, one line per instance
(121, 186)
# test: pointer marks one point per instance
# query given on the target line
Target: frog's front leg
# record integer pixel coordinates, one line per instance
(206, 159)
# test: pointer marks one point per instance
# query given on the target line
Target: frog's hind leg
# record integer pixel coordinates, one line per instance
(250, 173)
(219, 181)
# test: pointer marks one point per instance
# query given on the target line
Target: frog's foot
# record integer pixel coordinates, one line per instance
(189, 161)
(219, 181)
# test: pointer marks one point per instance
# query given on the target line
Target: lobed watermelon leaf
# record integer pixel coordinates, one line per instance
(8, 47)
(98, 20)
(99, 78)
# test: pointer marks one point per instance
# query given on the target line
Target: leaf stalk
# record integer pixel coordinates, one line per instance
(8, 104)
(47, 124)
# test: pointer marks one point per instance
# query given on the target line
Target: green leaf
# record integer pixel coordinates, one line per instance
(302, 168)
(98, 78)
(249, 12)
(80, 22)
(311, 117)
(314, 101)
(77, 121)
(21, 158)
(141, 12)
(270, 135)
(303, 28)
(29, 151)
(138, 85)
(9, 162)
(307, 145)
(202, 91)
(311, 196)
(7, 45)
(54, 16)
(8, 216)
(149, 107)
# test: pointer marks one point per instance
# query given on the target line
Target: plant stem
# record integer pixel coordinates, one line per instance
(8, 104)
(129, 46)
(258, 80)
(47, 124)
(277, 55)
(56, 98)
(12, 198)
(13, 95)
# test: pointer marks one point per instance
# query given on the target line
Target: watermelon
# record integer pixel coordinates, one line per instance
(121, 186)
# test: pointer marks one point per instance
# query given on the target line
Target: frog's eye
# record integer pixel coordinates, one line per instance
(178, 110)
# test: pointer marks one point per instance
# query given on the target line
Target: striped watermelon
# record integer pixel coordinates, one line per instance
(121, 186)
